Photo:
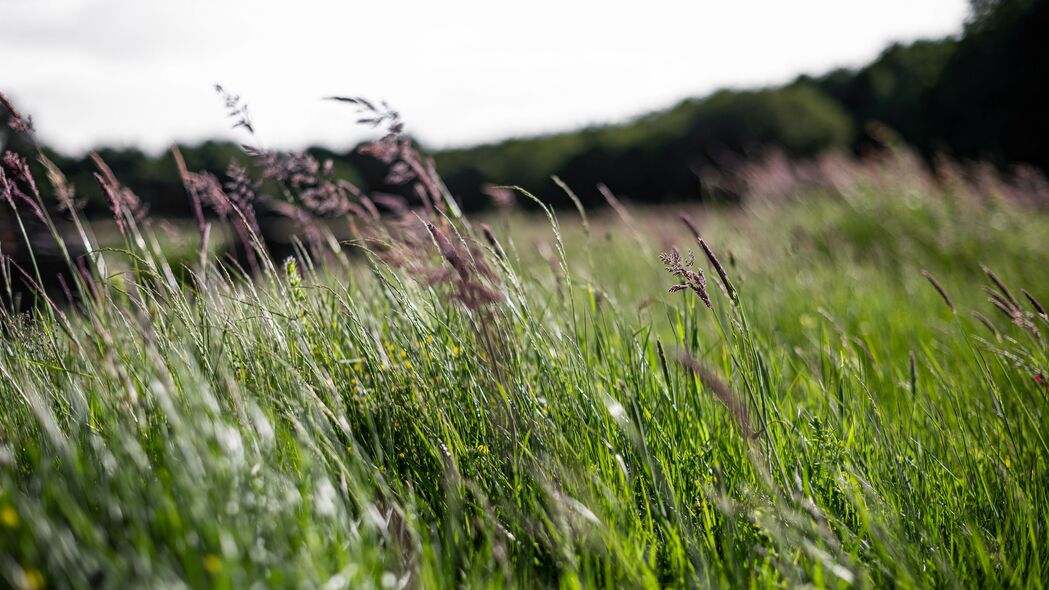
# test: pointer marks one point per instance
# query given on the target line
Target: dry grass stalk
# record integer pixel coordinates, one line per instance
(471, 290)
(1001, 286)
(123, 202)
(1004, 301)
(1038, 308)
(690, 223)
(726, 284)
(939, 288)
(723, 392)
(986, 323)
(18, 122)
(17, 172)
(489, 235)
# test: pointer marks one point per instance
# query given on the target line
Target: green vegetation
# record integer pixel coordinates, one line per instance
(445, 410)
(414, 398)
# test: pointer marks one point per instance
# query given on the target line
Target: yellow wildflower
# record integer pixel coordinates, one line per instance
(9, 517)
(34, 578)
(212, 563)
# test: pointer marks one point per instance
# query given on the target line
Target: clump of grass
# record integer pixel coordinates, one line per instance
(448, 410)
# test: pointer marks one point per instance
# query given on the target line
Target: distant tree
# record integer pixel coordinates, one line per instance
(657, 157)
(993, 99)
(894, 90)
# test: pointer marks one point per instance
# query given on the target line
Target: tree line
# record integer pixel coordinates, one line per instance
(982, 95)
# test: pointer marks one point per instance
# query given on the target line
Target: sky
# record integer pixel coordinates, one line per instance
(142, 72)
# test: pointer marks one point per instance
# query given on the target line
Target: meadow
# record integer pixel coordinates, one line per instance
(844, 386)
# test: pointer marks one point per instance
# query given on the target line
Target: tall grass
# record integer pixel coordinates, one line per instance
(436, 405)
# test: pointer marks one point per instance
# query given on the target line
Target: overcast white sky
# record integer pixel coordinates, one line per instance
(140, 72)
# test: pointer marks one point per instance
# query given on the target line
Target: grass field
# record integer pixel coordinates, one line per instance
(441, 410)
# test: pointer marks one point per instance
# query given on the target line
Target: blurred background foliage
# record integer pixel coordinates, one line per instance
(983, 95)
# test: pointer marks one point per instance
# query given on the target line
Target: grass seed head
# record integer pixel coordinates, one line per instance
(939, 288)
(723, 392)
(726, 284)
(692, 278)
(1000, 285)
(1037, 305)
(690, 223)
